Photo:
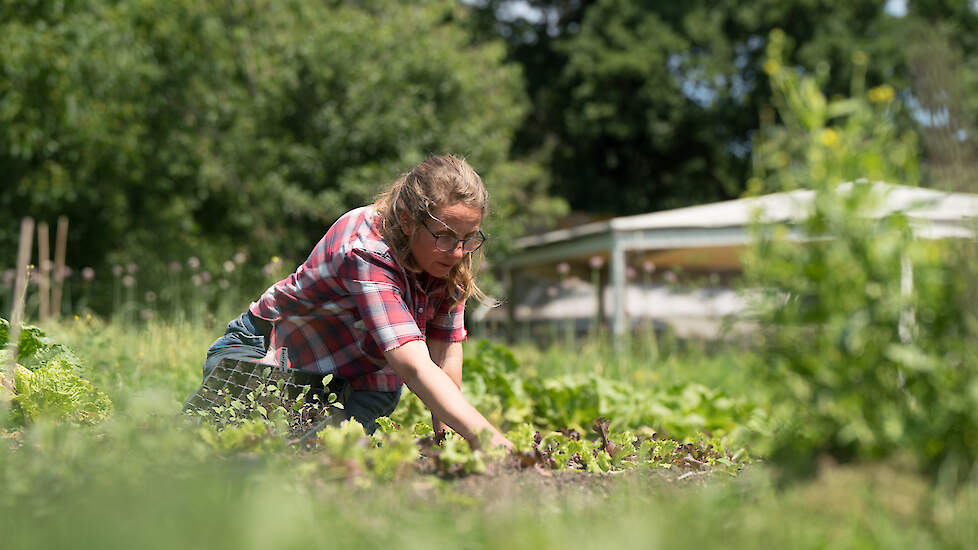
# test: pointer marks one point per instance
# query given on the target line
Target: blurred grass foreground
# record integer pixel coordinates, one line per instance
(144, 478)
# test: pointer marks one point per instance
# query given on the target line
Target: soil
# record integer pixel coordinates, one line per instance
(505, 483)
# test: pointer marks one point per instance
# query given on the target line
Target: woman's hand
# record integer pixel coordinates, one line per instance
(498, 440)
(439, 393)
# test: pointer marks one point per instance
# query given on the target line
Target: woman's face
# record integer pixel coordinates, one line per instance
(458, 221)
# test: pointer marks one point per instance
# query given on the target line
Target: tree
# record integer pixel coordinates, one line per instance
(650, 105)
(177, 129)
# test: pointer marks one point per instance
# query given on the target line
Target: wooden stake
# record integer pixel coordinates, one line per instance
(43, 272)
(61, 244)
(20, 294)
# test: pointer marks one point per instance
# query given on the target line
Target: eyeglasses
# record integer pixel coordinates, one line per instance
(448, 243)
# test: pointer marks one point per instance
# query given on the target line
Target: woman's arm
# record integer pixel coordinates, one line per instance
(412, 363)
(448, 356)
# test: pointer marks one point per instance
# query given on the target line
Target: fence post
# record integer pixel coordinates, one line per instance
(17, 312)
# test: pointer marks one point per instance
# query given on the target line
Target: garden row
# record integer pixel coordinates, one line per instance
(556, 425)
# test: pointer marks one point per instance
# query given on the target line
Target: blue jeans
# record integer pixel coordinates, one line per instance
(243, 341)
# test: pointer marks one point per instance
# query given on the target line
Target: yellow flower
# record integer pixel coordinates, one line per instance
(881, 94)
(771, 66)
(829, 137)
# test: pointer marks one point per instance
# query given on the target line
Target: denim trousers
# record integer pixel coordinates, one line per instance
(242, 340)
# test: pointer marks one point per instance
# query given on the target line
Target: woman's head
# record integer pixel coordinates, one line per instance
(440, 200)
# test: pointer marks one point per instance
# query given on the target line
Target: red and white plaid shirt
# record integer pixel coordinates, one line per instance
(350, 302)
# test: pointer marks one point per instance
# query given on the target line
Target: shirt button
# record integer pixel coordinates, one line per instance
(420, 310)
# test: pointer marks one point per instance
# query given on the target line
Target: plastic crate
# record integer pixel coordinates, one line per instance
(235, 379)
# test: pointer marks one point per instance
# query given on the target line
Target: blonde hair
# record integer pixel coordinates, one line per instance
(439, 181)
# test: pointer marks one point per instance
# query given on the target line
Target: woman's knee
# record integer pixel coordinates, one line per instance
(237, 343)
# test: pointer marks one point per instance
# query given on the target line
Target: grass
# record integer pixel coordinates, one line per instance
(144, 480)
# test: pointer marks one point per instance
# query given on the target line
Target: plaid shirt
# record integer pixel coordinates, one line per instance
(350, 302)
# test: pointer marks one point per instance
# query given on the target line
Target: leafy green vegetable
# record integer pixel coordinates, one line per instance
(48, 382)
(30, 342)
(509, 395)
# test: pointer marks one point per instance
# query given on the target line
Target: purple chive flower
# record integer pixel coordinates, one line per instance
(150, 297)
(206, 276)
(596, 262)
(268, 269)
(66, 272)
(131, 268)
(128, 281)
(648, 266)
(563, 268)
(175, 267)
(88, 274)
(197, 280)
(229, 266)
(117, 270)
(552, 291)
(146, 314)
(631, 272)
(223, 284)
(240, 257)
(670, 277)
(193, 262)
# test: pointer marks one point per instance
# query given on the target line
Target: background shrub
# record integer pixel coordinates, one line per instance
(867, 341)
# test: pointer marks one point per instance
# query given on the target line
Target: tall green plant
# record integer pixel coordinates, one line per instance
(865, 341)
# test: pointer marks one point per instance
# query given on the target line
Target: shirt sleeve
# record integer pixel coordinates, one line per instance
(448, 324)
(374, 283)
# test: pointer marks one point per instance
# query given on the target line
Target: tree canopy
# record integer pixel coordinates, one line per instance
(641, 106)
(177, 129)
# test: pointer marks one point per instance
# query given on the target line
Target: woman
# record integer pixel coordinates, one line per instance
(380, 301)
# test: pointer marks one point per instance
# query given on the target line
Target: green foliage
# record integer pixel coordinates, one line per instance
(822, 141)
(267, 416)
(160, 129)
(250, 435)
(29, 343)
(67, 487)
(659, 102)
(867, 333)
(510, 394)
(54, 390)
(48, 382)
